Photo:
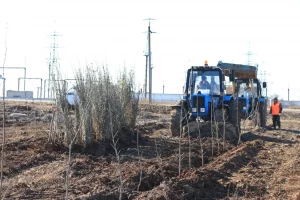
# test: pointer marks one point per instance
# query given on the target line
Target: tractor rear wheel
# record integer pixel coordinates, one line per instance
(263, 113)
(235, 113)
(220, 116)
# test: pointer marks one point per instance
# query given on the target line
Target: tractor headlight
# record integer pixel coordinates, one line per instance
(244, 107)
(202, 109)
(194, 109)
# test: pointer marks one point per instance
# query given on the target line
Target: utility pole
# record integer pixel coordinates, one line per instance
(145, 88)
(163, 87)
(150, 66)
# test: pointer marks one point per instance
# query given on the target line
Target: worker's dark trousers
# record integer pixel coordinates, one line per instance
(276, 121)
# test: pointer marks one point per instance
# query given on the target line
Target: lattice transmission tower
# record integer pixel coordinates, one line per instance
(52, 62)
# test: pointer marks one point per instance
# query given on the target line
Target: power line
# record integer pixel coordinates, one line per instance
(249, 55)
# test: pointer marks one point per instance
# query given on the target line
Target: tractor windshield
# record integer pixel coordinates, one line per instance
(207, 82)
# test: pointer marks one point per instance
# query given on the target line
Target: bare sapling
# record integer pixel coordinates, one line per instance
(190, 148)
(238, 121)
(69, 164)
(216, 131)
(224, 125)
(201, 142)
(158, 154)
(185, 117)
(3, 141)
(117, 152)
(51, 129)
(3, 128)
(198, 119)
(139, 157)
(179, 143)
(211, 126)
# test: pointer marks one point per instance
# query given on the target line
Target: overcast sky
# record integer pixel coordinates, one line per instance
(187, 33)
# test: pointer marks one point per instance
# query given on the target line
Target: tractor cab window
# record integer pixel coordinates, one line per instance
(255, 90)
(207, 82)
(246, 91)
(192, 77)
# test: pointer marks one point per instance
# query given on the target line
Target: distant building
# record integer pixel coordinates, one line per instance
(19, 94)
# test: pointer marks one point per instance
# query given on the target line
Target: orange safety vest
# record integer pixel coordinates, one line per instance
(275, 108)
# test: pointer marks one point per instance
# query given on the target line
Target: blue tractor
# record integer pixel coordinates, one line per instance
(253, 103)
(204, 98)
(248, 91)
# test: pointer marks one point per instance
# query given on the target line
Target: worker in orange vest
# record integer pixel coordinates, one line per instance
(275, 110)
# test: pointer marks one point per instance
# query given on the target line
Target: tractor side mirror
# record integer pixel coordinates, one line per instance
(264, 84)
(231, 75)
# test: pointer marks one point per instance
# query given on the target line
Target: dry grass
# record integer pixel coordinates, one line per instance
(97, 92)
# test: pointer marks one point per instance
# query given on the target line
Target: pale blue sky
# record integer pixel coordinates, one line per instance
(188, 32)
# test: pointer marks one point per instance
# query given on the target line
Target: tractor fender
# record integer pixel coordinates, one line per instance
(227, 99)
(262, 99)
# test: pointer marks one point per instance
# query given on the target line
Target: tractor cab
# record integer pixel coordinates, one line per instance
(249, 93)
(203, 98)
(203, 91)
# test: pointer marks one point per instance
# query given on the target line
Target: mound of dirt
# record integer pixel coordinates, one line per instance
(206, 129)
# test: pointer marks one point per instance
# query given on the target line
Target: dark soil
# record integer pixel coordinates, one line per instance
(264, 165)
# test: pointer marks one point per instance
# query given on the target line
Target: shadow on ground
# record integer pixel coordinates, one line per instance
(251, 136)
